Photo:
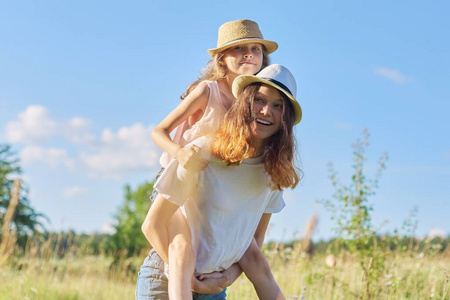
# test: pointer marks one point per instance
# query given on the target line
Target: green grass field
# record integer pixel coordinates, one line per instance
(406, 276)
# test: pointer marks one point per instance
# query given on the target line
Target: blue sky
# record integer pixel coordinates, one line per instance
(83, 83)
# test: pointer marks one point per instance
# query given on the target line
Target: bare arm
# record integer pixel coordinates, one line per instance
(194, 102)
(256, 266)
(261, 230)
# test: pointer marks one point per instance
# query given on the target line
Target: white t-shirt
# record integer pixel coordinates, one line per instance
(223, 206)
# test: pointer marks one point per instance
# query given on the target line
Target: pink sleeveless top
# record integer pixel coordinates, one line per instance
(210, 121)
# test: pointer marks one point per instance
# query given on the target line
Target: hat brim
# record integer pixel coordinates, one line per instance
(270, 46)
(242, 81)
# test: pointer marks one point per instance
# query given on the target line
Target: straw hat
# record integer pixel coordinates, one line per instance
(275, 76)
(240, 32)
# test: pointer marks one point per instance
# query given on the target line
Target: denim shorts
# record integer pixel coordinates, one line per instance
(219, 296)
(155, 192)
(153, 284)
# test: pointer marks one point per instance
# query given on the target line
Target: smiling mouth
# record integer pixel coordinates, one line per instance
(262, 122)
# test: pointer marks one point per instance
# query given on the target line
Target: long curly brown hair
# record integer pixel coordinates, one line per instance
(232, 142)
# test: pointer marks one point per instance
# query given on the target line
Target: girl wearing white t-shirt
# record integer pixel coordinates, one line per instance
(241, 49)
(227, 207)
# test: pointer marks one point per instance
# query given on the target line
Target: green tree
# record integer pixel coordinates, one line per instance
(129, 218)
(351, 211)
(26, 220)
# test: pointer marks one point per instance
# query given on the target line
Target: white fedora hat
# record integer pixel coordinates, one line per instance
(276, 76)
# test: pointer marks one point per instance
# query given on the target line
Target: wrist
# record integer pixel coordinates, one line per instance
(231, 276)
(177, 152)
(228, 282)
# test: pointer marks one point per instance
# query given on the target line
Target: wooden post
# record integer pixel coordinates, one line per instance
(8, 239)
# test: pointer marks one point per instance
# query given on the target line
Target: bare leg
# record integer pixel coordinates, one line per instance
(181, 258)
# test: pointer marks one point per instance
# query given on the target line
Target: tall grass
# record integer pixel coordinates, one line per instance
(59, 267)
(45, 271)
(304, 277)
(50, 274)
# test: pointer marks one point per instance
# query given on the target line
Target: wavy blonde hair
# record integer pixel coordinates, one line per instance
(215, 69)
(232, 142)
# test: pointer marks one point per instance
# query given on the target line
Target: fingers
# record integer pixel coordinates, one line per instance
(210, 275)
(223, 281)
(189, 157)
(209, 285)
(195, 148)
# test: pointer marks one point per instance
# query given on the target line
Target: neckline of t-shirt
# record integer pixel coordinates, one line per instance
(253, 161)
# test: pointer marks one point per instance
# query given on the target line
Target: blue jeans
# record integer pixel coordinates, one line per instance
(220, 296)
(153, 284)
(155, 192)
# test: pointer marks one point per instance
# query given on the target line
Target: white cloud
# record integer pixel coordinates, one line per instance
(108, 155)
(77, 132)
(32, 127)
(74, 191)
(436, 232)
(108, 228)
(78, 123)
(393, 75)
(342, 126)
(53, 157)
(128, 150)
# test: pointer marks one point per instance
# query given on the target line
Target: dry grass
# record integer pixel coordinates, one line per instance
(304, 278)
(299, 276)
(88, 277)
(44, 271)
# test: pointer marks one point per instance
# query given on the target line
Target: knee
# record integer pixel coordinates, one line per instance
(180, 247)
(180, 244)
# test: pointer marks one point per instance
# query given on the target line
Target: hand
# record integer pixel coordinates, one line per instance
(232, 273)
(189, 158)
(216, 275)
(209, 285)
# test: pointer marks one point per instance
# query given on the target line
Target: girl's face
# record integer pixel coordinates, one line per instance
(243, 59)
(268, 108)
